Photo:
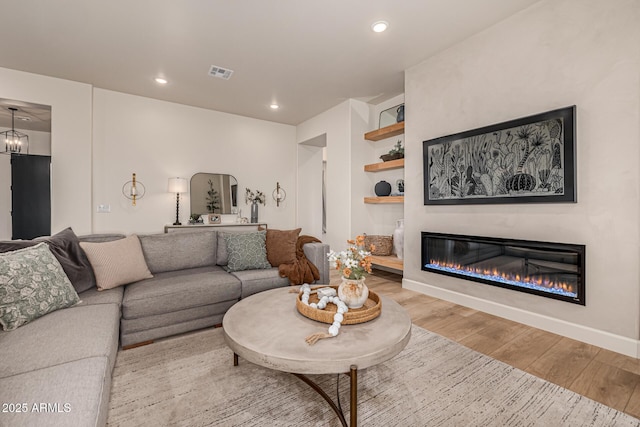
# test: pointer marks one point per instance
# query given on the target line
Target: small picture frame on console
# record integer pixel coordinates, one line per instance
(527, 160)
(214, 219)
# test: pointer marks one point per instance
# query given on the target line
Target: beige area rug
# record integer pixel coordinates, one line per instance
(191, 381)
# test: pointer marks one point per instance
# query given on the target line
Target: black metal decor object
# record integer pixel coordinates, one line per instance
(527, 160)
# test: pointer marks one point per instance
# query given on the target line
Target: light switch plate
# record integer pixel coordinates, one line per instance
(104, 208)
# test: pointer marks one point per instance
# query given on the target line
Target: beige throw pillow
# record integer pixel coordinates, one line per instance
(118, 262)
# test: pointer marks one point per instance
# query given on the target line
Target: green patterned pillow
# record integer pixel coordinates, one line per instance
(247, 251)
(32, 284)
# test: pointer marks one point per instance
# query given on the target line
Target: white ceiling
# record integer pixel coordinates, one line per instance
(28, 116)
(306, 55)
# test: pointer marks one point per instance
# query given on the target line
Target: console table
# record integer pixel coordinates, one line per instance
(221, 227)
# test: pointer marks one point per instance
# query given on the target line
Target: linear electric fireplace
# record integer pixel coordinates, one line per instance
(554, 270)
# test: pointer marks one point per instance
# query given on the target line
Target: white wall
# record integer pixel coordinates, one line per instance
(70, 142)
(555, 54)
(364, 217)
(335, 124)
(158, 139)
(342, 129)
(309, 188)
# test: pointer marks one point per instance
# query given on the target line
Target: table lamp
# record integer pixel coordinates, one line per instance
(177, 185)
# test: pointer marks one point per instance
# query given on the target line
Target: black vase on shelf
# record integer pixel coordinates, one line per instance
(382, 189)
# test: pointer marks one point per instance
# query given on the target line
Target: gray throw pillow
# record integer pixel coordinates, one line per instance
(32, 284)
(66, 248)
(247, 251)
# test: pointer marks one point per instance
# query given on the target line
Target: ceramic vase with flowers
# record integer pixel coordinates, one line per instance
(353, 264)
(255, 198)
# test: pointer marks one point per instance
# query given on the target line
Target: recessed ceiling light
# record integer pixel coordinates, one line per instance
(161, 81)
(274, 106)
(379, 26)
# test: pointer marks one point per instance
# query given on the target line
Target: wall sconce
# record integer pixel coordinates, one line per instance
(279, 194)
(177, 185)
(133, 190)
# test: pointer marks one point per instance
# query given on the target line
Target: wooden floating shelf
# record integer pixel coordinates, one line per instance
(386, 199)
(390, 261)
(385, 132)
(391, 164)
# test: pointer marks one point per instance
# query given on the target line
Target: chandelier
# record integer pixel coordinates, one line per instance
(14, 141)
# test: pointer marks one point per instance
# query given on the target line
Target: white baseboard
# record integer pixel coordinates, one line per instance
(617, 343)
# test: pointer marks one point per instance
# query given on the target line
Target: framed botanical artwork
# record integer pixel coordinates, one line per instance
(527, 160)
(214, 219)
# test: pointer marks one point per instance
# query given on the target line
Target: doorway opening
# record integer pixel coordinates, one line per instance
(25, 178)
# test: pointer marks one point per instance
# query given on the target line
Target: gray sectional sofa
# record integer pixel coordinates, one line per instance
(56, 370)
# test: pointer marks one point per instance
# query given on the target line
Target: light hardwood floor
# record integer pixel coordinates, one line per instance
(602, 375)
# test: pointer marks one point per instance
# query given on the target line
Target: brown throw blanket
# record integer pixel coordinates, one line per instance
(302, 270)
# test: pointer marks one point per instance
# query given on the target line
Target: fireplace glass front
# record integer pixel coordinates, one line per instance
(554, 270)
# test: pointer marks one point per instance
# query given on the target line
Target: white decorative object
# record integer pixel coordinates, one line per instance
(228, 218)
(334, 329)
(398, 239)
(326, 291)
(354, 293)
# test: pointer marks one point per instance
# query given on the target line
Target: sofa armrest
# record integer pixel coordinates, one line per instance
(317, 254)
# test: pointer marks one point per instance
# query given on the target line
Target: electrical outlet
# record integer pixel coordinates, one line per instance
(104, 208)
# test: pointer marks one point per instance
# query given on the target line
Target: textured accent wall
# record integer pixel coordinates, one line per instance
(554, 54)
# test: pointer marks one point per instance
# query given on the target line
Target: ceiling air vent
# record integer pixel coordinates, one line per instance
(220, 72)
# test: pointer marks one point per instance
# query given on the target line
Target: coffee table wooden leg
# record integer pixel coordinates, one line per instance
(235, 359)
(353, 375)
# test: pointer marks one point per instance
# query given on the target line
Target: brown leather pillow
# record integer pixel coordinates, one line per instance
(281, 246)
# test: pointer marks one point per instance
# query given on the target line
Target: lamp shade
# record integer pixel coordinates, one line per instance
(177, 185)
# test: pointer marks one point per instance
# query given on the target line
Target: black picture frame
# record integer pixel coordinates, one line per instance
(526, 160)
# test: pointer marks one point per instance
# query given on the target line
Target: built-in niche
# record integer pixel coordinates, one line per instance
(25, 174)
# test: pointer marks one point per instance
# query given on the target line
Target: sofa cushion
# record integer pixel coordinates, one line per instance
(78, 392)
(32, 284)
(179, 251)
(254, 281)
(108, 296)
(129, 326)
(66, 248)
(71, 334)
(222, 256)
(178, 290)
(281, 246)
(247, 251)
(131, 338)
(118, 262)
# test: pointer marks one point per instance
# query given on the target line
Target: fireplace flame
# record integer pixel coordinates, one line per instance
(515, 279)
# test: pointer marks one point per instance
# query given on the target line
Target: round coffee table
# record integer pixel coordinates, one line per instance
(267, 329)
